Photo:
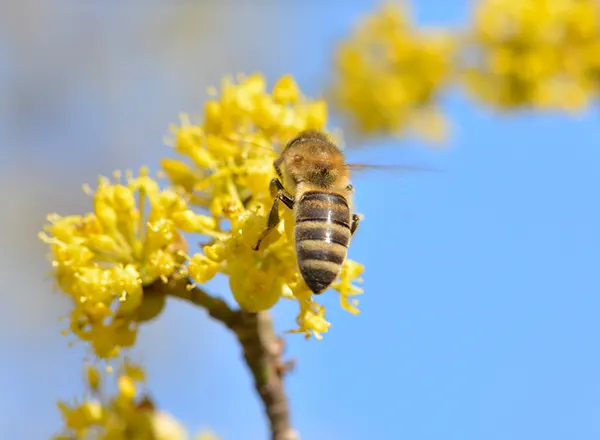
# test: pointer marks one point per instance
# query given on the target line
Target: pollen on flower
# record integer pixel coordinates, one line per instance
(388, 75)
(104, 258)
(225, 165)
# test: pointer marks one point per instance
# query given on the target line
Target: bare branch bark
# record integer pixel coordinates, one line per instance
(263, 352)
(262, 348)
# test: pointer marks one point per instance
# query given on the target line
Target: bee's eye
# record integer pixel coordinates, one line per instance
(297, 159)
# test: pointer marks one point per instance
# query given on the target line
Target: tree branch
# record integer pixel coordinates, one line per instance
(263, 352)
(262, 348)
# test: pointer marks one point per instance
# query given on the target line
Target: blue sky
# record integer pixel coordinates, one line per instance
(482, 290)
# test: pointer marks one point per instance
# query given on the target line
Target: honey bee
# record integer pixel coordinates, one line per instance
(314, 182)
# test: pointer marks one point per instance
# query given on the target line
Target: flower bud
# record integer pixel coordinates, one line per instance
(286, 90)
(189, 221)
(201, 269)
(93, 377)
(126, 387)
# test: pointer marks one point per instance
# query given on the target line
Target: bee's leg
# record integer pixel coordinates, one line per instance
(246, 198)
(279, 192)
(272, 222)
(355, 222)
(273, 219)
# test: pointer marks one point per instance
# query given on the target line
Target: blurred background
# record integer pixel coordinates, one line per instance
(482, 288)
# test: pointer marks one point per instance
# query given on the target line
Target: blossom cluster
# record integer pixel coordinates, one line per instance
(217, 192)
(540, 54)
(226, 166)
(103, 259)
(389, 74)
(122, 415)
(543, 54)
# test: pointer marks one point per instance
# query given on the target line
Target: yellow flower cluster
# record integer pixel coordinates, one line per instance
(388, 75)
(543, 54)
(228, 167)
(124, 416)
(134, 236)
(103, 259)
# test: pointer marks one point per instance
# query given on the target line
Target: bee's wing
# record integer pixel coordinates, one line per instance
(391, 168)
(275, 148)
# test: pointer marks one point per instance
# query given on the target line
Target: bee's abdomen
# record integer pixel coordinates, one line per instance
(322, 237)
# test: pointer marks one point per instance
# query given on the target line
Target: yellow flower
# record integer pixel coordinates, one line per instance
(388, 74)
(232, 150)
(220, 190)
(202, 269)
(104, 258)
(80, 418)
(534, 53)
(93, 378)
(350, 273)
(311, 320)
(253, 287)
(226, 167)
(125, 415)
(286, 90)
(167, 427)
(206, 436)
(126, 388)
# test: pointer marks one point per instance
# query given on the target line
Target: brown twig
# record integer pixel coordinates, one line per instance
(262, 348)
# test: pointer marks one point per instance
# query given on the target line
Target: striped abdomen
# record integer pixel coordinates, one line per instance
(322, 233)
